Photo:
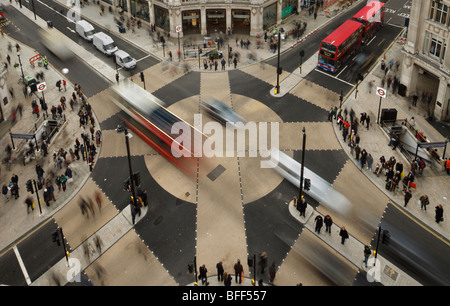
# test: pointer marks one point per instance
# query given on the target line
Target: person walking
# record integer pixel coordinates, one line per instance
(439, 216)
(408, 196)
(424, 201)
(328, 223)
(319, 223)
(272, 272)
(220, 271)
(203, 275)
(238, 269)
(367, 253)
(47, 197)
(344, 234)
(5, 193)
(30, 204)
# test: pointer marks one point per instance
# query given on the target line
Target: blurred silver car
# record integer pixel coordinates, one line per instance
(221, 112)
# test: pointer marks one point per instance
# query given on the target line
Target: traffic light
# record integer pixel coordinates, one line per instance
(307, 184)
(30, 187)
(142, 76)
(386, 237)
(55, 237)
(191, 267)
(126, 184)
(250, 261)
(137, 178)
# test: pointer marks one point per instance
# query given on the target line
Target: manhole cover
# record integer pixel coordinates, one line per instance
(216, 173)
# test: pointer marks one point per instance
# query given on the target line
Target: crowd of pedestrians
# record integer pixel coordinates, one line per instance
(57, 178)
(397, 177)
(226, 277)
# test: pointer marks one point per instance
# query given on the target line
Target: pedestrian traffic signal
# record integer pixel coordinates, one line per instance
(30, 186)
(386, 237)
(142, 76)
(307, 184)
(55, 237)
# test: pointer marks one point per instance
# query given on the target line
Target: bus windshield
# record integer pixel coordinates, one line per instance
(328, 47)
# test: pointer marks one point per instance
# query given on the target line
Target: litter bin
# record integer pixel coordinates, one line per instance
(402, 90)
(28, 80)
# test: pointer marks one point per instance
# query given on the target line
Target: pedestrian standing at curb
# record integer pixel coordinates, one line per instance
(223, 63)
(439, 213)
(344, 234)
(238, 269)
(408, 196)
(263, 261)
(220, 271)
(424, 201)
(319, 223)
(369, 162)
(328, 223)
(302, 207)
(203, 275)
(117, 77)
(367, 253)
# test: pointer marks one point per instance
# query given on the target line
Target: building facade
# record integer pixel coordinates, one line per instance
(426, 60)
(183, 17)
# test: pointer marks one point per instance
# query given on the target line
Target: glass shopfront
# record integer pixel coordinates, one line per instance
(216, 20)
(270, 16)
(162, 18)
(139, 9)
(287, 7)
(240, 21)
(191, 22)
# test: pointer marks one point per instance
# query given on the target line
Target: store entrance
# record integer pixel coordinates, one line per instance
(215, 21)
(191, 22)
(241, 21)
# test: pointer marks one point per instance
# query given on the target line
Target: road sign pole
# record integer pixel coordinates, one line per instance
(379, 108)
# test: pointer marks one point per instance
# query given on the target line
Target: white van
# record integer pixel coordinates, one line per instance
(85, 29)
(124, 60)
(104, 43)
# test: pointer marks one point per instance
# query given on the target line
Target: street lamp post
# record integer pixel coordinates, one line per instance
(302, 169)
(121, 129)
(21, 69)
(278, 63)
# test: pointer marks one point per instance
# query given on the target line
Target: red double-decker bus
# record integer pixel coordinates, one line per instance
(337, 47)
(371, 17)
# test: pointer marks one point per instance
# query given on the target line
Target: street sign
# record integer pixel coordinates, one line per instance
(381, 92)
(41, 86)
(178, 28)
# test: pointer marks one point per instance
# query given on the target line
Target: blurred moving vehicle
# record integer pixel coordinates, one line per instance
(320, 190)
(56, 43)
(221, 112)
